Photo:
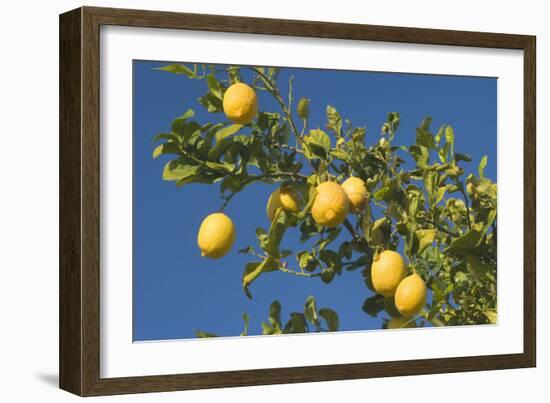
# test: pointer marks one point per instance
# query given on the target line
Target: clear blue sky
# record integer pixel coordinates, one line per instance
(176, 290)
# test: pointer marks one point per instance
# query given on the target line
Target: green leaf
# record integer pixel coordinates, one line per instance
(424, 138)
(391, 125)
(380, 231)
(466, 242)
(334, 120)
(339, 154)
(477, 266)
(234, 183)
(462, 157)
(450, 139)
(318, 144)
(296, 324)
(211, 103)
(491, 316)
(165, 148)
(425, 238)
(254, 269)
(176, 170)
(444, 153)
(234, 74)
(246, 250)
(227, 131)
(178, 69)
(220, 148)
(224, 167)
(199, 178)
(214, 86)
(303, 108)
(275, 313)
(420, 154)
(332, 235)
(373, 305)
(310, 311)
(425, 125)
(390, 308)
(266, 329)
(331, 319)
(276, 233)
(331, 259)
(439, 135)
(306, 261)
(358, 135)
(430, 180)
(482, 165)
(491, 217)
(246, 320)
(440, 194)
(178, 124)
(327, 276)
(201, 334)
(167, 136)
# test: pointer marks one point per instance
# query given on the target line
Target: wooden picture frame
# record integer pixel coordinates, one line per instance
(79, 346)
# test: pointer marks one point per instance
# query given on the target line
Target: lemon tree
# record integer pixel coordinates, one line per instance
(422, 233)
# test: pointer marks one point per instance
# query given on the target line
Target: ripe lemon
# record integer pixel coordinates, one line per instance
(284, 197)
(240, 104)
(410, 296)
(216, 235)
(387, 271)
(331, 204)
(357, 194)
(401, 323)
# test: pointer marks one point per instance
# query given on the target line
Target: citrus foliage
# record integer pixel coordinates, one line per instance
(310, 320)
(418, 199)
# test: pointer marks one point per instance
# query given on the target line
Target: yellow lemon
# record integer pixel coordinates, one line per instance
(331, 204)
(410, 296)
(216, 235)
(285, 197)
(401, 323)
(240, 104)
(387, 271)
(357, 194)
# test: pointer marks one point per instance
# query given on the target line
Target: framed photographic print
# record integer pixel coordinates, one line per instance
(249, 201)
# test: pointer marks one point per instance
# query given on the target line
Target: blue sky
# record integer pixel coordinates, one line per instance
(176, 291)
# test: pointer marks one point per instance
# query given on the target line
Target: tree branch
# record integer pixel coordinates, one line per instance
(250, 179)
(466, 201)
(359, 239)
(440, 227)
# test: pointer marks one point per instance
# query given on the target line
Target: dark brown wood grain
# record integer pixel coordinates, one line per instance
(70, 271)
(79, 277)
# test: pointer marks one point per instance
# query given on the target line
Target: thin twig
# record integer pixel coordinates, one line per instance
(279, 99)
(250, 179)
(298, 273)
(440, 227)
(362, 241)
(466, 201)
(291, 148)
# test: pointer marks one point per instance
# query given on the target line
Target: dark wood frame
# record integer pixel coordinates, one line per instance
(79, 201)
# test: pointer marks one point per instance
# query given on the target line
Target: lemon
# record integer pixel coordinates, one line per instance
(331, 204)
(401, 323)
(410, 296)
(240, 104)
(285, 197)
(387, 271)
(216, 235)
(357, 194)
